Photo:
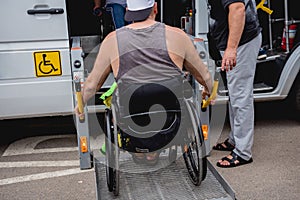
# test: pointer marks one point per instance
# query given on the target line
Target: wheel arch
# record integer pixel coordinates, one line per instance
(290, 72)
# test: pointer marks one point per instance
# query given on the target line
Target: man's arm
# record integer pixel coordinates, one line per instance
(100, 71)
(194, 64)
(184, 54)
(236, 22)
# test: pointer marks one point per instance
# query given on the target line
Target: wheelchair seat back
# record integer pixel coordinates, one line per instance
(149, 114)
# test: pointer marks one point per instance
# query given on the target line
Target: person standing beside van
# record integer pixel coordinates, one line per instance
(237, 33)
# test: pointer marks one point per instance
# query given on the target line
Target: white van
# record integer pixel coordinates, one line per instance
(35, 72)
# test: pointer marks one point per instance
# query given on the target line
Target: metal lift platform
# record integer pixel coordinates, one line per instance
(162, 182)
(139, 182)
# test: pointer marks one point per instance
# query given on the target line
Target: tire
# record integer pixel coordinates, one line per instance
(192, 164)
(108, 150)
(204, 167)
(202, 150)
(194, 150)
(116, 172)
(294, 99)
(297, 98)
(112, 156)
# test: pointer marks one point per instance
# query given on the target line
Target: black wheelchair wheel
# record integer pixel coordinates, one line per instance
(192, 162)
(108, 150)
(112, 173)
(202, 150)
(116, 173)
(194, 149)
(204, 167)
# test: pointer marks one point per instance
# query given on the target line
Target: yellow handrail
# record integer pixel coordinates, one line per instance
(266, 9)
(213, 95)
(79, 99)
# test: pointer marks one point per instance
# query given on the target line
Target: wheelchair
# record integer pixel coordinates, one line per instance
(136, 105)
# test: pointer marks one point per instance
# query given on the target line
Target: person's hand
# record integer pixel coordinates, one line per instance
(213, 100)
(186, 74)
(77, 112)
(229, 59)
(97, 11)
(207, 96)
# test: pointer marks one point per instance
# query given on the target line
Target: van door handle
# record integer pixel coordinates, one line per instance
(45, 11)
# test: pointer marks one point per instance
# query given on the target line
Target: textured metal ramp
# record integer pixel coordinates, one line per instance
(162, 182)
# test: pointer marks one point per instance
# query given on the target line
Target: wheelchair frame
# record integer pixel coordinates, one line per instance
(193, 149)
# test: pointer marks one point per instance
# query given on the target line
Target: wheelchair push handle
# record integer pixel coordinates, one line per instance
(79, 99)
(206, 102)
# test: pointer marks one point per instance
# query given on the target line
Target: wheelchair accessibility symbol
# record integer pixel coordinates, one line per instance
(47, 63)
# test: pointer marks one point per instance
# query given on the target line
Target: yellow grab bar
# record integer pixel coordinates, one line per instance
(266, 9)
(213, 95)
(79, 99)
(206, 102)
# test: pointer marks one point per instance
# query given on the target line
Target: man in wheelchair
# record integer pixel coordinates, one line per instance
(148, 60)
(151, 117)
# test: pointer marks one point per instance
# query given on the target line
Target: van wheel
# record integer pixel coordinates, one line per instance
(295, 97)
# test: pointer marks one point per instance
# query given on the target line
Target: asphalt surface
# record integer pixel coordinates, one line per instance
(39, 159)
(275, 171)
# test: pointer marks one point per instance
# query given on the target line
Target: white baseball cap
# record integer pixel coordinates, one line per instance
(138, 10)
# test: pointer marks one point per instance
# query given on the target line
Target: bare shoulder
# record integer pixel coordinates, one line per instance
(109, 48)
(176, 34)
(110, 41)
(175, 30)
(110, 36)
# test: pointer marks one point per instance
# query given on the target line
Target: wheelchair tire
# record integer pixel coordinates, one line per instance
(204, 167)
(203, 148)
(194, 150)
(193, 166)
(109, 170)
(116, 172)
(111, 157)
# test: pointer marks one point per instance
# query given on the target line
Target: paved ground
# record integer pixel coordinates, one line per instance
(275, 172)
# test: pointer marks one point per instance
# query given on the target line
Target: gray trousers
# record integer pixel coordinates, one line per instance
(241, 104)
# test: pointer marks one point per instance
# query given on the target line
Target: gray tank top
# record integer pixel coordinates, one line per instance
(143, 55)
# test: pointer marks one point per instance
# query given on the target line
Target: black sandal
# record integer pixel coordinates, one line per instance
(234, 161)
(224, 146)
